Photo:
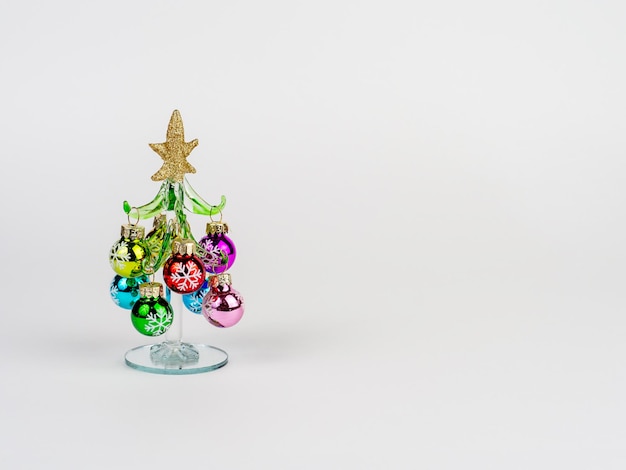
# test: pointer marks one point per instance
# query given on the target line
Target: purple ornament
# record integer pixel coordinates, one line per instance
(217, 251)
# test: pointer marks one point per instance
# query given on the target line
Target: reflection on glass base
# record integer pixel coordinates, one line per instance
(173, 354)
(176, 358)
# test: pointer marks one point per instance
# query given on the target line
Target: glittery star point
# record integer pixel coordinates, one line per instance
(174, 152)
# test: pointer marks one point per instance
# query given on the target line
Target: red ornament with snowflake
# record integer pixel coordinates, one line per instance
(184, 272)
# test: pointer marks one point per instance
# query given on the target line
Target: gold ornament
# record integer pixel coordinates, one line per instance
(174, 152)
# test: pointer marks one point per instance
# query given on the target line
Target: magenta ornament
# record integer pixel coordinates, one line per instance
(217, 251)
(222, 306)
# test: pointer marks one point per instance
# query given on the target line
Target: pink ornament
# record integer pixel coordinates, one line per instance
(222, 306)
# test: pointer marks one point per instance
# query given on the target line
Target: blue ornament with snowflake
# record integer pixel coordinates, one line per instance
(193, 301)
(125, 290)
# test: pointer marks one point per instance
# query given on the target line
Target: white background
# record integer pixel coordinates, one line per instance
(428, 203)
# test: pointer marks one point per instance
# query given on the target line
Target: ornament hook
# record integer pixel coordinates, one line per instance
(211, 216)
(128, 216)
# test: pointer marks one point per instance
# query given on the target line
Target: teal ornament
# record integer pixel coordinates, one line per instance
(125, 290)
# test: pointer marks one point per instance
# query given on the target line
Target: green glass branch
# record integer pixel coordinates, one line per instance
(151, 209)
(199, 205)
(173, 197)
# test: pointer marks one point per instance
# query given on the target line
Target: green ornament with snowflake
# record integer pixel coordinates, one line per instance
(151, 315)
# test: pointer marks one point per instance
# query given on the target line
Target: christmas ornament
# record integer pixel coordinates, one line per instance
(128, 253)
(222, 306)
(193, 301)
(151, 315)
(125, 290)
(218, 250)
(183, 272)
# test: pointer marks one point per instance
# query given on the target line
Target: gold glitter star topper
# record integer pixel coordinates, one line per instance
(174, 152)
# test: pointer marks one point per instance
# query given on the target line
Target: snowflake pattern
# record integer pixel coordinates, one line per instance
(195, 303)
(186, 276)
(120, 252)
(212, 256)
(114, 291)
(158, 322)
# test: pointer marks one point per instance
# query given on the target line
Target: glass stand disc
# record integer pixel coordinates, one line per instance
(176, 358)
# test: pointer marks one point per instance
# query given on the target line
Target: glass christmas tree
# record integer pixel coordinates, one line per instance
(194, 272)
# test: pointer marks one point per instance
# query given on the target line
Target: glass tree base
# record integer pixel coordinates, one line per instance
(176, 358)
